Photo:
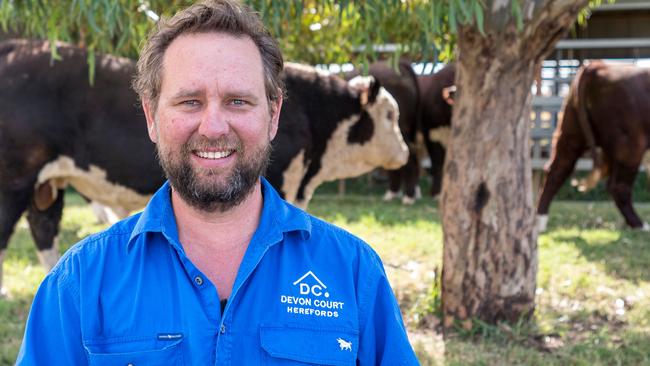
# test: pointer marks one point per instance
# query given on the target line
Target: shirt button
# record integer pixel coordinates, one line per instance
(198, 280)
(223, 329)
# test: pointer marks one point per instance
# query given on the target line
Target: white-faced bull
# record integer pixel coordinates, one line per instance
(332, 129)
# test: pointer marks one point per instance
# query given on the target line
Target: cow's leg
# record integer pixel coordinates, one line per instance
(106, 214)
(563, 161)
(394, 183)
(44, 226)
(410, 175)
(619, 185)
(12, 205)
(437, 156)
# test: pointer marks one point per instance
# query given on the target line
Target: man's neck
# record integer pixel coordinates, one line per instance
(217, 227)
(216, 241)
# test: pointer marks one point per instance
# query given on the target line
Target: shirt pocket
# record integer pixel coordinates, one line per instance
(300, 345)
(134, 351)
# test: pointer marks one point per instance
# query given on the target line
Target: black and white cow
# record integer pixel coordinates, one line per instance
(57, 130)
(344, 130)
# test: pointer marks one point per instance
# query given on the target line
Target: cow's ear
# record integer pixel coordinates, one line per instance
(149, 115)
(449, 94)
(362, 86)
(44, 196)
(373, 90)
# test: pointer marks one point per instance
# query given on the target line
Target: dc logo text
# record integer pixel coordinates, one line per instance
(315, 289)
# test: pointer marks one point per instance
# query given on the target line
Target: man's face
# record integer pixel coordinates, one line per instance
(213, 124)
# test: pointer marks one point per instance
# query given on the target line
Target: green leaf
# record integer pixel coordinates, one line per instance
(452, 16)
(517, 14)
(478, 14)
(91, 65)
(465, 11)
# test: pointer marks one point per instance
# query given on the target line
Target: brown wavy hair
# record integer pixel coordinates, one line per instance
(227, 16)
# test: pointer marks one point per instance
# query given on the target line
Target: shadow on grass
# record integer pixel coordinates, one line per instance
(627, 257)
(353, 208)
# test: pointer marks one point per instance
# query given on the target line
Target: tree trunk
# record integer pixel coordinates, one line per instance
(490, 248)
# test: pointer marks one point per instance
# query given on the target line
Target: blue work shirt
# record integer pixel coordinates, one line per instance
(306, 292)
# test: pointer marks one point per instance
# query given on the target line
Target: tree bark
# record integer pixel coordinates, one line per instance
(490, 243)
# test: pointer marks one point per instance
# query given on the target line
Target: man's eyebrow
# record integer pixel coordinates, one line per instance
(187, 93)
(245, 94)
(240, 93)
(196, 93)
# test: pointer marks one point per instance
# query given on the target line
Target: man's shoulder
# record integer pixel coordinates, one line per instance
(113, 238)
(119, 232)
(321, 227)
(331, 235)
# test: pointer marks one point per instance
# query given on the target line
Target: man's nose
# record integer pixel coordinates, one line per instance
(214, 123)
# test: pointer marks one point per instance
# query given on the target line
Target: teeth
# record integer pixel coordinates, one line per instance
(214, 154)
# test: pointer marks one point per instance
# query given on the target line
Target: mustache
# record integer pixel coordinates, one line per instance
(199, 142)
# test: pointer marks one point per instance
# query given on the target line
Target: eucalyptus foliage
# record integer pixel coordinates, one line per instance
(310, 31)
(326, 31)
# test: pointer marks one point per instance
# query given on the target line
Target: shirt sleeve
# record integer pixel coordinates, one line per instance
(383, 338)
(53, 333)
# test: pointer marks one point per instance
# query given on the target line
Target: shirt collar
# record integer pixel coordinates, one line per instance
(278, 217)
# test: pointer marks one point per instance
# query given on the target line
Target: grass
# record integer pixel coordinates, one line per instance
(593, 297)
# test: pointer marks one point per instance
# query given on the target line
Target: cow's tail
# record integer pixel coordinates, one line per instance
(580, 105)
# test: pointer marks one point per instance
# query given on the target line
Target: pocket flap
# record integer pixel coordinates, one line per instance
(325, 346)
(134, 353)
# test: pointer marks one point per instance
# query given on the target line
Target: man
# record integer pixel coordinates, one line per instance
(217, 270)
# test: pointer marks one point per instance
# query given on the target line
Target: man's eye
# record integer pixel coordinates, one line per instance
(238, 102)
(190, 103)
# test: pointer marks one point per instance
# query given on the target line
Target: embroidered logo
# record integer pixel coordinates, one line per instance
(310, 296)
(344, 345)
(306, 288)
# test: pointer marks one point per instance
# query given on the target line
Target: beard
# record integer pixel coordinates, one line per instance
(209, 190)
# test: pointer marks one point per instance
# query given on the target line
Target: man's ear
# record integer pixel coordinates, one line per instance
(151, 123)
(276, 107)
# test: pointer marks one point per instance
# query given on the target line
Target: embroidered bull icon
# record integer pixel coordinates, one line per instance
(345, 345)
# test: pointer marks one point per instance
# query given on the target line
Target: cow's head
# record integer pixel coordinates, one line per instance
(377, 130)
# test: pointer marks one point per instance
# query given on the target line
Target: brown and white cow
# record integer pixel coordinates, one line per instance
(607, 113)
(57, 130)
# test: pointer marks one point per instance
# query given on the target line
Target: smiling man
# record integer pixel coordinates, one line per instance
(218, 269)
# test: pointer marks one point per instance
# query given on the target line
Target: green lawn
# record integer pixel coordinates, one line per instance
(593, 304)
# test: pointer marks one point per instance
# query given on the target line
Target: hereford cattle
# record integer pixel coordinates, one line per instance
(342, 130)
(57, 130)
(436, 99)
(606, 114)
(403, 86)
